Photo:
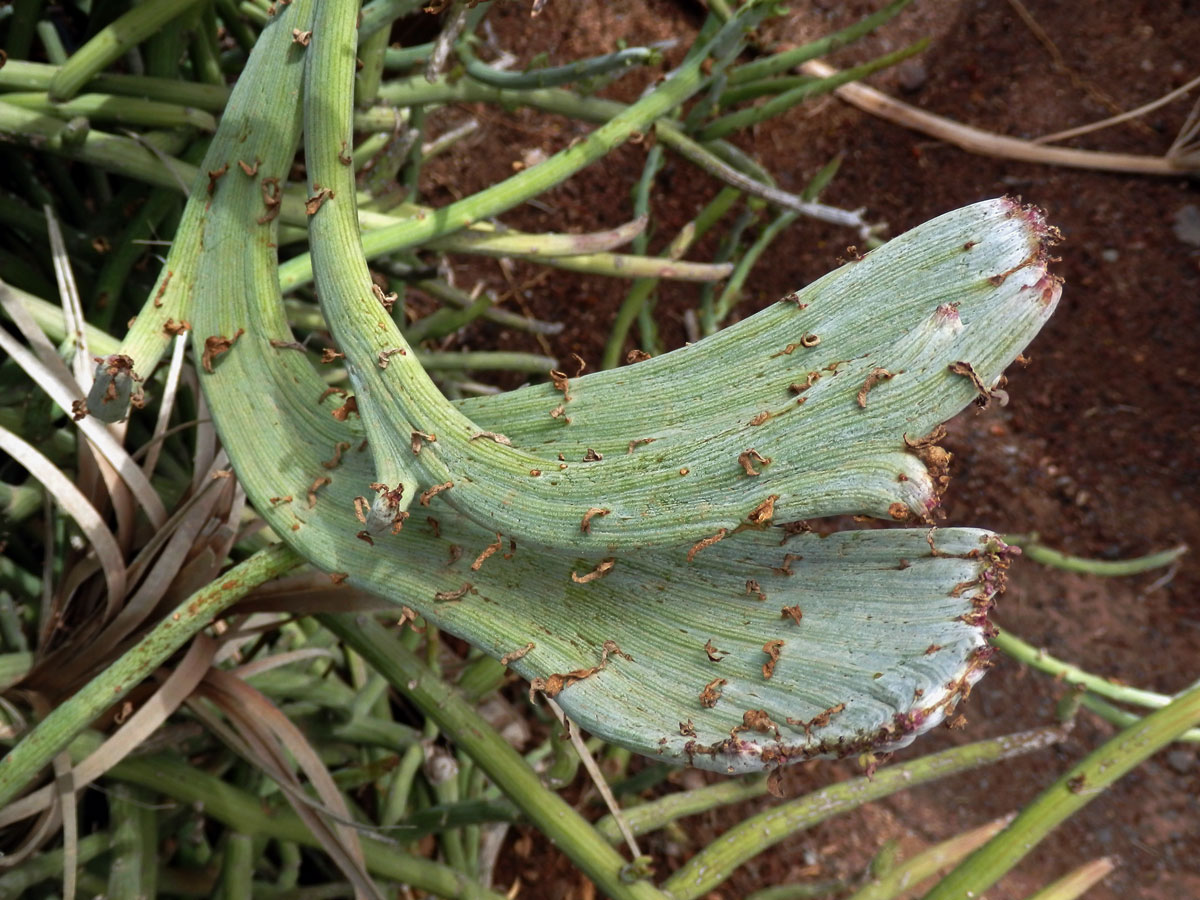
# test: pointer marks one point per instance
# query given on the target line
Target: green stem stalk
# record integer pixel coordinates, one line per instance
(1074, 790)
(55, 732)
(715, 863)
(548, 812)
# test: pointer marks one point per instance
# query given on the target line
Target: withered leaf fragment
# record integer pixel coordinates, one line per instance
(877, 375)
(605, 566)
(712, 692)
(216, 345)
(771, 648)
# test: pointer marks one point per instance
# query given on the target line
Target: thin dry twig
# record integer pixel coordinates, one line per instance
(976, 140)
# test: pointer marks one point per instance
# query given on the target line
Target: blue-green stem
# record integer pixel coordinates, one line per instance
(1109, 568)
(558, 75)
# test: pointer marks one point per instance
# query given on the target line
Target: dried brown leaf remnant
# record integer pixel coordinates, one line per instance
(487, 551)
(162, 289)
(713, 652)
(755, 720)
(386, 300)
(385, 356)
(513, 655)
(216, 345)
(553, 685)
(772, 649)
(342, 413)
(592, 456)
(214, 176)
(687, 729)
(316, 486)
(338, 449)
(747, 458)
(446, 596)
(762, 514)
(416, 440)
(753, 588)
(712, 692)
(636, 442)
(706, 542)
(433, 492)
(818, 721)
(329, 355)
(792, 612)
(272, 194)
(249, 170)
(636, 356)
(317, 200)
(877, 375)
(786, 568)
(586, 525)
(493, 436)
(761, 419)
(605, 566)
(966, 370)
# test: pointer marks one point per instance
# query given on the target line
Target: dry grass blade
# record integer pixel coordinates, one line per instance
(64, 492)
(65, 795)
(182, 533)
(176, 688)
(975, 140)
(68, 292)
(66, 395)
(276, 660)
(268, 733)
(1126, 116)
(170, 389)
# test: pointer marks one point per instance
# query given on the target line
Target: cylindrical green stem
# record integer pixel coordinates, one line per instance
(463, 724)
(1113, 568)
(712, 865)
(110, 42)
(1074, 790)
(68, 719)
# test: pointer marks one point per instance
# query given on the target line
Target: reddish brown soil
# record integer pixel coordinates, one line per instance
(1097, 450)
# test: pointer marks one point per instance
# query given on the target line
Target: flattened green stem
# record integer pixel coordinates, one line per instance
(246, 812)
(111, 108)
(1074, 790)
(107, 45)
(715, 863)
(900, 879)
(557, 75)
(55, 732)
(745, 118)
(1112, 568)
(461, 723)
(789, 59)
(1078, 882)
(1019, 650)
